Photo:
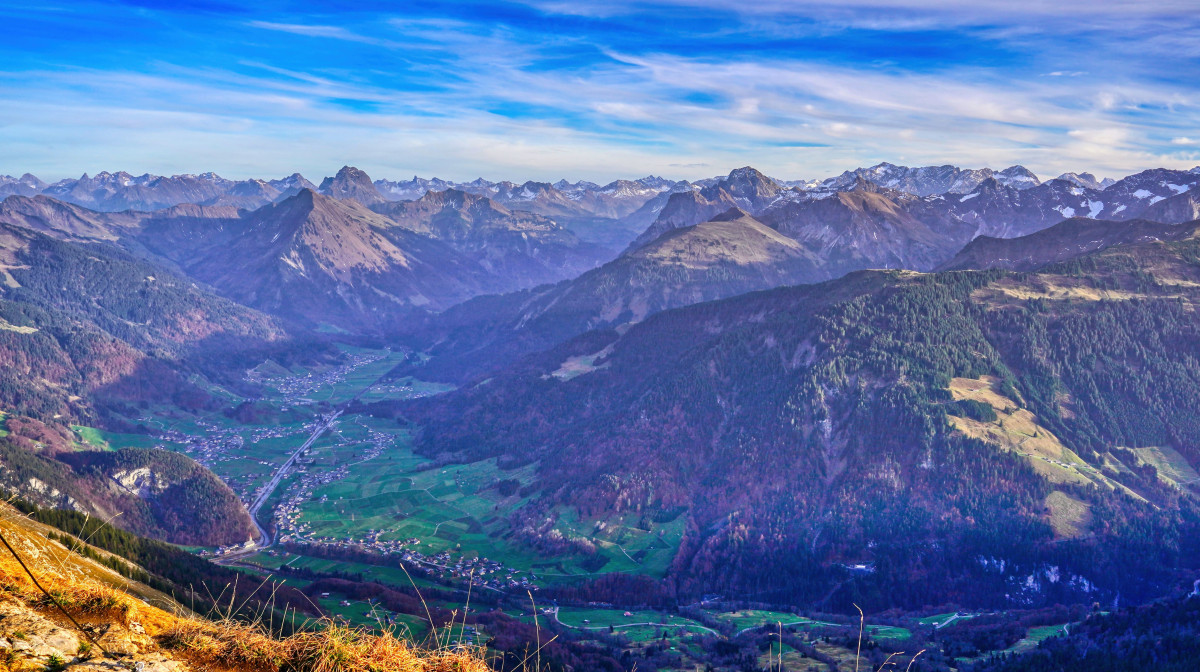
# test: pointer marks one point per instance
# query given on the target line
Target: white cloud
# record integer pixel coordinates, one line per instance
(603, 119)
(332, 32)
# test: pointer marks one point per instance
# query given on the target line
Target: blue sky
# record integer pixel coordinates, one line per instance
(544, 89)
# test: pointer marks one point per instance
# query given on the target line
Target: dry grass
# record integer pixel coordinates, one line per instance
(1053, 287)
(1069, 516)
(332, 648)
(581, 364)
(1172, 467)
(75, 582)
(1016, 428)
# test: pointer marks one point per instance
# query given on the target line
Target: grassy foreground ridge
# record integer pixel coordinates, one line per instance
(133, 624)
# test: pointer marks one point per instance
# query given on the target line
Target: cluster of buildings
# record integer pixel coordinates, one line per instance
(287, 514)
(484, 573)
(401, 389)
(217, 444)
(297, 390)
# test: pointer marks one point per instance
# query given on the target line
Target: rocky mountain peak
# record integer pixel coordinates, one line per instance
(1018, 177)
(352, 184)
(1085, 180)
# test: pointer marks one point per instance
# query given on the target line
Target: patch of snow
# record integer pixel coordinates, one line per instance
(1082, 584)
(1095, 208)
(1177, 188)
(1119, 209)
(1142, 193)
(1065, 211)
(1156, 199)
(968, 197)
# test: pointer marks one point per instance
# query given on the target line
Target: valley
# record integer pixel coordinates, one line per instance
(779, 404)
(359, 486)
(358, 500)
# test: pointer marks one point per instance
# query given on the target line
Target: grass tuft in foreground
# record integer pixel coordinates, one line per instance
(97, 598)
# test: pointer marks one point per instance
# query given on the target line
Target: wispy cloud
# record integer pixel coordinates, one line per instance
(583, 90)
(334, 32)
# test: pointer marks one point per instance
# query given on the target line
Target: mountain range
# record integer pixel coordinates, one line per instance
(121, 190)
(905, 368)
(864, 226)
(346, 253)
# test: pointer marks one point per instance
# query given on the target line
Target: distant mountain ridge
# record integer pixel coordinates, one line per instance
(316, 259)
(1066, 240)
(114, 191)
(992, 207)
(933, 180)
(864, 226)
(523, 248)
(348, 252)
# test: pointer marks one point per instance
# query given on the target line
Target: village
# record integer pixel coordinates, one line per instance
(229, 450)
(298, 389)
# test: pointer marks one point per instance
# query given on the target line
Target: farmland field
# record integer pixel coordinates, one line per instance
(1036, 636)
(403, 496)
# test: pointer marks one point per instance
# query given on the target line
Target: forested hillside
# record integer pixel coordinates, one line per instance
(150, 492)
(89, 335)
(82, 324)
(1164, 637)
(981, 437)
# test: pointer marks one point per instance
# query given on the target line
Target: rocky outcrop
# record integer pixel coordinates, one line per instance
(31, 641)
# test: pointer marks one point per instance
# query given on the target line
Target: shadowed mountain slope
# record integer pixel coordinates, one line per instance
(315, 259)
(519, 248)
(730, 254)
(932, 427)
(1063, 241)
